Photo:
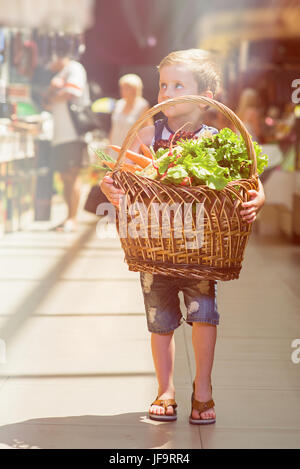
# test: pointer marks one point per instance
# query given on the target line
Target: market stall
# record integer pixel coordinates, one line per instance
(27, 43)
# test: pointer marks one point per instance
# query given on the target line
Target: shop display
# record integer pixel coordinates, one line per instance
(26, 178)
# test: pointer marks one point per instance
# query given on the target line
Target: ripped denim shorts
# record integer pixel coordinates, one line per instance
(163, 306)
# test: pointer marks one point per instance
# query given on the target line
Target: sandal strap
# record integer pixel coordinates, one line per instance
(165, 403)
(202, 406)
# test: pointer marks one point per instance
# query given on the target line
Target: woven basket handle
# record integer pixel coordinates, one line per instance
(189, 99)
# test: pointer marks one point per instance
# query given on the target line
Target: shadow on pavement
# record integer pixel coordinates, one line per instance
(123, 431)
(30, 303)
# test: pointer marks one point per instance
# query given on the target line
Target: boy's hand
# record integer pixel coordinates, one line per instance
(113, 194)
(252, 207)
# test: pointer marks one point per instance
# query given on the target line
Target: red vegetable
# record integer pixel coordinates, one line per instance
(186, 182)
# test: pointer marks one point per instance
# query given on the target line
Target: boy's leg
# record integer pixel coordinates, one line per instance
(163, 353)
(163, 317)
(204, 341)
(202, 313)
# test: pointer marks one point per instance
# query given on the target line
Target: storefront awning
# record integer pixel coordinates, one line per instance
(222, 30)
(67, 15)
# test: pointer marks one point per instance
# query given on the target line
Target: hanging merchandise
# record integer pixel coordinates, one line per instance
(44, 47)
(16, 48)
(51, 44)
(24, 52)
(29, 59)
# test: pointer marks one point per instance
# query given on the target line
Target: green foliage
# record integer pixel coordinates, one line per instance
(160, 152)
(212, 161)
(103, 156)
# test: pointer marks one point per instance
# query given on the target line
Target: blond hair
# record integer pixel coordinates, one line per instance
(201, 63)
(134, 81)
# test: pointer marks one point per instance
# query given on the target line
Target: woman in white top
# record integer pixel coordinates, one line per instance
(128, 109)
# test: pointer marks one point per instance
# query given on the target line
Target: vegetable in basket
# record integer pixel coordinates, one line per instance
(212, 160)
(107, 162)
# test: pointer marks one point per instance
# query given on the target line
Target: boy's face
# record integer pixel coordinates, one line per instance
(175, 81)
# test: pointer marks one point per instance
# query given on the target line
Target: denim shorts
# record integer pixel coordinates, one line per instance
(163, 306)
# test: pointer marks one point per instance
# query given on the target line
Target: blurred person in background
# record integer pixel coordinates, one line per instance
(68, 85)
(249, 111)
(270, 124)
(286, 123)
(215, 118)
(128, 109)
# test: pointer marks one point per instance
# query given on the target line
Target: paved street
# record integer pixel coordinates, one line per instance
(79, 372)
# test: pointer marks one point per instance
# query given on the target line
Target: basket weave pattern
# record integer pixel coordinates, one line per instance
(223, 233)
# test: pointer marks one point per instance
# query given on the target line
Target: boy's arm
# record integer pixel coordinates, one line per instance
(254, 205)
(112, 193)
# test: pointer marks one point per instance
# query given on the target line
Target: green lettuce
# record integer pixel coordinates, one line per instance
(213, 161)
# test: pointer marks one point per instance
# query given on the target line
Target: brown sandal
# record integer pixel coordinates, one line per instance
(165, 403)
(201, 407)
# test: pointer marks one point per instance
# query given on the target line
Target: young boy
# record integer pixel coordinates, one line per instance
(188, 72)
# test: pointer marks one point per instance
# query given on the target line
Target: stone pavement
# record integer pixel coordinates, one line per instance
(79, 372)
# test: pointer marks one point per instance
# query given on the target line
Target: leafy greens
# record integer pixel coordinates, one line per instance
(213, 160)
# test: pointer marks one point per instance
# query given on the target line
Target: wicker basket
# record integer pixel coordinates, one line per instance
(222, 231)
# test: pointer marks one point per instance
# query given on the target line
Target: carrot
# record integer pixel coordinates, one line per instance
(141, 160)
(146, 151)
(108, 163)
(126, 167)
